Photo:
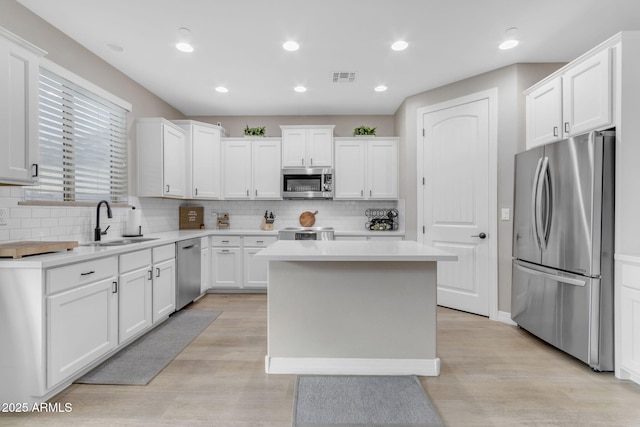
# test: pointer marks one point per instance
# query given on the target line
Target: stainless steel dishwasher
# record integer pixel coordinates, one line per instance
(189, 281)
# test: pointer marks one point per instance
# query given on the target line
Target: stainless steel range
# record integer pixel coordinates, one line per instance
(306, 233)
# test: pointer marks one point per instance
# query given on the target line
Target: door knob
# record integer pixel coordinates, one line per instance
(481, 235)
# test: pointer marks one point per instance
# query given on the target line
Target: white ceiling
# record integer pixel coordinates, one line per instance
(238, 44)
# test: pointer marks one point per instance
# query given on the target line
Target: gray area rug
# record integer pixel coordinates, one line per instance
(143, 359)
(362, 401)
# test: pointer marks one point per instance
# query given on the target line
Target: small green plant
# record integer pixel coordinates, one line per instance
(363, 130)
(255, 131)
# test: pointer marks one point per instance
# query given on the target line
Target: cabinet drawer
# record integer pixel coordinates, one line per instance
(70, 276)
(135, 260)
(162, 253)
(260, 241)
(226, 241)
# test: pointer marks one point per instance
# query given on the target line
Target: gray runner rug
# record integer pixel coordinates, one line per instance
(362, 401)
(143, 359)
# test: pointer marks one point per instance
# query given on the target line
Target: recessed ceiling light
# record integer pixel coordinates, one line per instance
(510, 39)
(300, 89)
(291, 46)
(222, 89)
(184, 47)
(184, 40)
(400, 45)
(380, 88)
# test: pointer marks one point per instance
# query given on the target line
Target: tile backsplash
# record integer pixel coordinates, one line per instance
(158, 215)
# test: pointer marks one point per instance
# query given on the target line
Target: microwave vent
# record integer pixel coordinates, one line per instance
(344, 77)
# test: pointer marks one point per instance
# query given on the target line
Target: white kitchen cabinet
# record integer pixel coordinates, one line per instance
(307, 146)
(205, 265)
(544, 113)
(366, 169)
(627, 324)
(252, 168)
(164, 281)
(161, 158)
(19, 70)
(135, 294)
(82, 316)
(574, 100)
(226, 266)
(203, 158)
(380, 236)
(255, 269)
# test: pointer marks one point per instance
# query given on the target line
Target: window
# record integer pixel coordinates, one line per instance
(83, 144)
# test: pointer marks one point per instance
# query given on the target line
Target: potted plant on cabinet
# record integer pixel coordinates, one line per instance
(364, 131)
(259, 131)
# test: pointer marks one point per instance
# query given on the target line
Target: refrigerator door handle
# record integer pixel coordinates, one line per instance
(534, 194)
(546, 224)
(561, 279)
(540, 181)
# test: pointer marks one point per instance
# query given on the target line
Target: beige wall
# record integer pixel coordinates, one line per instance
(385, 125)
(510, 82)
(67, 53)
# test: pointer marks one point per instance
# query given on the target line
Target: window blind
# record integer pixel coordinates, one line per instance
(83, 145)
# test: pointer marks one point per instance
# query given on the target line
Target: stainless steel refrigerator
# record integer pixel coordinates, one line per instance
(562, 289)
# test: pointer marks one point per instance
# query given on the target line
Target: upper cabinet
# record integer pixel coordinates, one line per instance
(203, 159)
(19, 68)
(307, 146)
(574, 100)
(252, 168)
(366, 169)
(161, 158)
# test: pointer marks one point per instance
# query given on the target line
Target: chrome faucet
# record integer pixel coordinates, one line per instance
(97, 232)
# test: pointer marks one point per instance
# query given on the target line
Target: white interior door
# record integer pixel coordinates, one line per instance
(456, 201)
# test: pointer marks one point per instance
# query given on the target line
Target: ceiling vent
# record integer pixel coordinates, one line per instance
(344, 77)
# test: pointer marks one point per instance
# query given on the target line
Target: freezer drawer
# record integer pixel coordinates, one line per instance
(564, 310)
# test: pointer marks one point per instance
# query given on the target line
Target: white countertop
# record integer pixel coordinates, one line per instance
(84, 253)
(344, 250)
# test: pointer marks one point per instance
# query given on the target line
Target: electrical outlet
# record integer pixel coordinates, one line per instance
(4, 215)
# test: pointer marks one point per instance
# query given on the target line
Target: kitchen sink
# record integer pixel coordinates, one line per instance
(120, 242)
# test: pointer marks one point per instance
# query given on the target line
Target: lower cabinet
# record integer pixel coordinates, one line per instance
(135, 294)
(205, 265)
(361, 237)
(234, 265)
(627, 311)
(164, 282)
(82, 316)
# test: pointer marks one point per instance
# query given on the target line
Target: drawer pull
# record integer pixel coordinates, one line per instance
(225, 251)
(157, 272)
(150, 276)
(87, 273)
(114, 287)
(259, 241)
(225, 241)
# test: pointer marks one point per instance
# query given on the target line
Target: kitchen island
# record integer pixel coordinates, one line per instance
(352, 307)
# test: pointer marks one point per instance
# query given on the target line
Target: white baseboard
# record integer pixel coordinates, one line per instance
(351, 366)
(505, 317)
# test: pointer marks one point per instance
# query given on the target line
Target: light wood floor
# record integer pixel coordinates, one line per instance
(492, 374)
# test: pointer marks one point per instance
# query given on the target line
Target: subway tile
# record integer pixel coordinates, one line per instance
(30, 223)
(20, 234)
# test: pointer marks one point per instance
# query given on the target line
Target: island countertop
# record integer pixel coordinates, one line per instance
(368, 250)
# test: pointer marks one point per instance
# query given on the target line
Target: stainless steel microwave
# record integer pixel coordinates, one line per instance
(307, 183)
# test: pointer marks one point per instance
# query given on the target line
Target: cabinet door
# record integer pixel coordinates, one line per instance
(349, 174)
(294, 148)
(320, 147)
(630, 329)
(544, 114)
(134, 303)
(82, 327)
(206, 163)
(226, 266)
(173, 162)
(255, 269)
(18, 114)
(587, 95)
(382, 169)
(164, 289)
(267, 171)
(204, 270)
(237, 169)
